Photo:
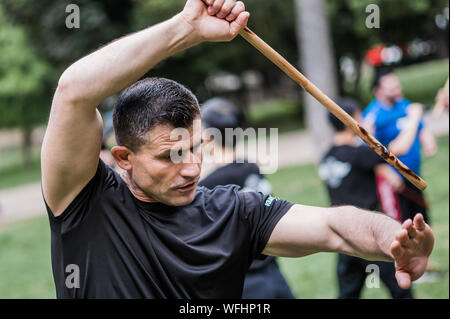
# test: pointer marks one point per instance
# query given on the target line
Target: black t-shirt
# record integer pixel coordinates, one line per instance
(348, 172)
(248, 177)
(125, 248)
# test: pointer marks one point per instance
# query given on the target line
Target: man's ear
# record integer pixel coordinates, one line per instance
(123, 156)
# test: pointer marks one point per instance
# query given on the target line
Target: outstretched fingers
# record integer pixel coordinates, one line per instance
(403, 279)
(409, 226)
(419, 222)
(396, 249)
(402, 237)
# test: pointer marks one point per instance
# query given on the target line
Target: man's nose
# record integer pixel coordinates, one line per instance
(190, 170)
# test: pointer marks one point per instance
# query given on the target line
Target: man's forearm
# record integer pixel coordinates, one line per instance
(405, 139)
(364, 234)
(117, 65)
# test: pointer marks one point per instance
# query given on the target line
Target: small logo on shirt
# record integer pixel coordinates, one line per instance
(333, 172)
(269, 201)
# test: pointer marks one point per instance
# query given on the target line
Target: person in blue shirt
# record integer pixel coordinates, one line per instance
(397, 123)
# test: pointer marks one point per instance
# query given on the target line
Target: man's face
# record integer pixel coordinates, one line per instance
(390, 88)
(155, 172)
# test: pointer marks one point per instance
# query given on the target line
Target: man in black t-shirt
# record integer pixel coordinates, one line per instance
(150, 232)
(264, 279)
(348, 169)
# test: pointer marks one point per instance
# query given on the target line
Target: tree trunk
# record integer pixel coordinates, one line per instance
(27, 147)
(317, 64)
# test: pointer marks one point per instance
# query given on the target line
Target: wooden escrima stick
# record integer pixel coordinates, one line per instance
(337, 111)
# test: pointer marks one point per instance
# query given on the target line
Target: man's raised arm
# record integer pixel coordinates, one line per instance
(306, 230)
(72, 141)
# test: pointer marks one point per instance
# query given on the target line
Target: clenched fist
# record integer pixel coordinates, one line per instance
(216, 21)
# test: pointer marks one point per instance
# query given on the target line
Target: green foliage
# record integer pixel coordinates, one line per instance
(45, 23)
(23, 78)
(400, 21)
(193, 66)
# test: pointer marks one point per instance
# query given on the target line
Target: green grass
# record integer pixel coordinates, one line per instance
(25, 268)
(25, 265)
(12, 171)
(314, 276)
(284, 114)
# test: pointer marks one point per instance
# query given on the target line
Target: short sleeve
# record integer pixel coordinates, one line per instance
(83, 203)
(262, 212)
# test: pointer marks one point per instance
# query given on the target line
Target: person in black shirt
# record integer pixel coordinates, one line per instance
(150, 232)
(348, 169)
(264, 279)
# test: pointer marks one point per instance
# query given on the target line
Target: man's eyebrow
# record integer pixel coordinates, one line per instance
(166, 150)
(194, 146)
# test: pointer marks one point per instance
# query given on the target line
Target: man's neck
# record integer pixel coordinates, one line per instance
(385, 101)
(134, 188)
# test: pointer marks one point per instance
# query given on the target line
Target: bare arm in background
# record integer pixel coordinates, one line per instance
(403, 142)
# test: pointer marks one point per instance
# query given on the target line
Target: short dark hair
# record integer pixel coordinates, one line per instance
(349, 105)
(379, 74)
(148, 103)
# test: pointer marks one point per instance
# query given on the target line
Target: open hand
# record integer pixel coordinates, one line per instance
(410, 249)
(221, 20)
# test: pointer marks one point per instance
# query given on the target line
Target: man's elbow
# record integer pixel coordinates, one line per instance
(66, 89)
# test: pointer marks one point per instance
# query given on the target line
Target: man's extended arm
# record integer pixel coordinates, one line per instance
(306, 230)
(73, 138)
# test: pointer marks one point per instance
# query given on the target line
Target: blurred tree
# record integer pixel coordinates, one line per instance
(272, 20)
(400, 22)
(34, 54)
(23, 84)
(104, 20)
(45, 22)
(317, 61)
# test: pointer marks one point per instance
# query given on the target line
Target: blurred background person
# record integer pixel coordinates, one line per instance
(105, 152)
(264, 279)
(348, 170)
(398, 124)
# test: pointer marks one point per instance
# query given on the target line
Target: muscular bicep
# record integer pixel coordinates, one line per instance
(70, 151)
(302, 231)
